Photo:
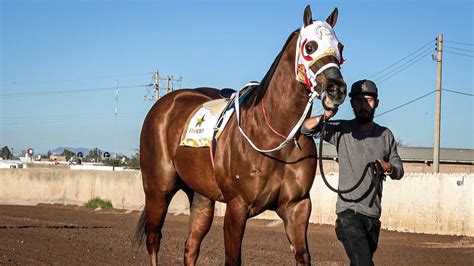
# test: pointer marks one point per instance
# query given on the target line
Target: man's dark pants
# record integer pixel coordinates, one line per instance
(359, 234)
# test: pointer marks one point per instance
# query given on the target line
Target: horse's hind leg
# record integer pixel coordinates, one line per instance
(202, 214)
(159, 190)
(296, 218)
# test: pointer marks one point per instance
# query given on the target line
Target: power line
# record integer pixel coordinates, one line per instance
(451, 52)
(407, 103)
(59, 118)
(392, 65)
(461, 43)
(86, 78)
(402, 67)
(68, 116)
(460, 49)
(69, 91)
(459, 92)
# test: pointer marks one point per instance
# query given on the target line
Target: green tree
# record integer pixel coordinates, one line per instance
(5, 153)
(47, 155)
(113, 162)
(68, 154)
(94, 155)
(134, 162)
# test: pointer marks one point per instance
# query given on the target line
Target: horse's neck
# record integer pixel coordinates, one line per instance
(284, 103)
(285, 98)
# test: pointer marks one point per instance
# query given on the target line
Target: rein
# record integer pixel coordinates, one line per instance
(376, 174)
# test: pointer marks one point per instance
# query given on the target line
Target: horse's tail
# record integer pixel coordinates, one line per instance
(140, 230)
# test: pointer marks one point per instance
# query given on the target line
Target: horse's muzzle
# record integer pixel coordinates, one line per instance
(334, 93)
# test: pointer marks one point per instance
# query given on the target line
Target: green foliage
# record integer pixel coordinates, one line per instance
(5, 153)
(68, 154)
(134, 162)
(113, 162)
(94, 155)
(47, 155)
(98, 203)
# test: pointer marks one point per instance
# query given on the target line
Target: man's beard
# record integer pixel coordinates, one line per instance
(364, 116)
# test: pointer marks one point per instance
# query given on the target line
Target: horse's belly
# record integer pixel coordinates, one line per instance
(195, 169)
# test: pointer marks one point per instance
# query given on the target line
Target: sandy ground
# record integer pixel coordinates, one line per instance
(57, 234)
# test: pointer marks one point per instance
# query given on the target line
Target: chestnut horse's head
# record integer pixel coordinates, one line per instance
(318, 59)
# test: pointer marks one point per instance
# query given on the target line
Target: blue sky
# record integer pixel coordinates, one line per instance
(51, 47)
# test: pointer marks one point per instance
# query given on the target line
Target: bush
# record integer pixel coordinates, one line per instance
(99, 203)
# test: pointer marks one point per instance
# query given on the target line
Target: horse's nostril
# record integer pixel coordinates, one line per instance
(332, 89)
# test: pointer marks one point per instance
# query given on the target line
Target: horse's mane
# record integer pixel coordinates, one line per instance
(260, 91)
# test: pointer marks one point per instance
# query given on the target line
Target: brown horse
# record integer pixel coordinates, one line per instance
(248, 181)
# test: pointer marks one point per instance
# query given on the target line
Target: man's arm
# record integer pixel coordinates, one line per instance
(310, 125)
(394, 166)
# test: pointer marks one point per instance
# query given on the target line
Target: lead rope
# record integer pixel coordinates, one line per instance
(375, 173)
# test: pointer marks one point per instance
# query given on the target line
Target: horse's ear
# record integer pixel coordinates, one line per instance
(307, 17)
(332, 19)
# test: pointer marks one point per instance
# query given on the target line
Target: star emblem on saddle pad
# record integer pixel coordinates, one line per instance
(200, 121)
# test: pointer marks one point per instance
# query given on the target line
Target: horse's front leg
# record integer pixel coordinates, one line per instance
(235, 219)
(295, 217)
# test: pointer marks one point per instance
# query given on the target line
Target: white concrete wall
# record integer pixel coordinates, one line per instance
(422, 203)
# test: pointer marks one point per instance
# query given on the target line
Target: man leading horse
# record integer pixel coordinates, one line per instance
(359, 141)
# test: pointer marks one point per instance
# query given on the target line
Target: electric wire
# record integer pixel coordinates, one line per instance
(71, 118)
(461, 54)
(407, 103)
(456, 48)
(459, 92)
(80, 79)
(39, 93)
(460, 43)
(400, 60)
(401, 68)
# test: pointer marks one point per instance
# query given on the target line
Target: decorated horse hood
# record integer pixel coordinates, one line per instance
(325, 43)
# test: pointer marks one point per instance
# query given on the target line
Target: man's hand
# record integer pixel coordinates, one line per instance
(328, 114)
(387, 167)
(312, 122)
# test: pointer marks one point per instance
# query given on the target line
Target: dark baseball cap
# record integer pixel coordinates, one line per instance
(364, 87)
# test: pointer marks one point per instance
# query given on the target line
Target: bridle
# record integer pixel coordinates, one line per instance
(318, 30)
(323, 35)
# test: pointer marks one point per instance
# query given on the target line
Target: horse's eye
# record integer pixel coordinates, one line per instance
(311, 47)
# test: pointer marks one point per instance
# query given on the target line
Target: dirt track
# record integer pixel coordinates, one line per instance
(56, 234)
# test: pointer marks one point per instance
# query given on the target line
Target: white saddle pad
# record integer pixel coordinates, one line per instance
(200, 128)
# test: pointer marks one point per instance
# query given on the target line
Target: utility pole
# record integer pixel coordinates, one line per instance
(167, 86)
(115, 115)
(156, 84)
(439, 60)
